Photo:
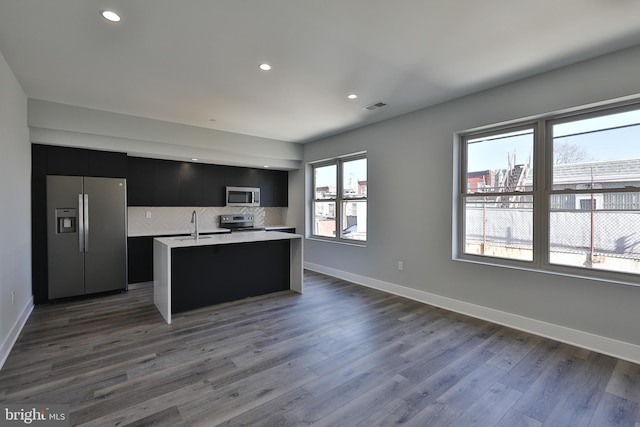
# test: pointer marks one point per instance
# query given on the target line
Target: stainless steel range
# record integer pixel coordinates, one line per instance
(239, 222)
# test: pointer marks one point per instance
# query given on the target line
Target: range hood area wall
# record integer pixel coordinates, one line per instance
(52, 123)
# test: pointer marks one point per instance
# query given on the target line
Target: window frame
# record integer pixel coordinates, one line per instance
(463, 193)
(339, 199)
(542, 191)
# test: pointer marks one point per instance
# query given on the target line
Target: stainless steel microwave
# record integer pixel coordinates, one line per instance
(243, 196)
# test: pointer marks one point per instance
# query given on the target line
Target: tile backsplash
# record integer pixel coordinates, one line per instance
(177, 220)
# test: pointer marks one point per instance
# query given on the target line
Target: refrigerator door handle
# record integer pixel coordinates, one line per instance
(80, 223)
(86, 222)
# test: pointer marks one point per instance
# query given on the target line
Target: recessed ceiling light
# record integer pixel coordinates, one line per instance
(352, 96)
(110, 15)
(264, 67)
(266, 166)
(194, 159)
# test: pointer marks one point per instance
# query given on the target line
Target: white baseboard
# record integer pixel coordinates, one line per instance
(619, 349)
(10, 340)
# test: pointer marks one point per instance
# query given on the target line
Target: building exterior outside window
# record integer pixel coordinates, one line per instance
(559, 194)
(339, 205)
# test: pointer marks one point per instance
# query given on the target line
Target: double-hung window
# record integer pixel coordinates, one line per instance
(497, 196)
(559, 194)
(339, 205)
(594, 191)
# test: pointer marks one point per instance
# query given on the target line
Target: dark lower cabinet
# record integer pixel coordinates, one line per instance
(207, 275)
(140, 259)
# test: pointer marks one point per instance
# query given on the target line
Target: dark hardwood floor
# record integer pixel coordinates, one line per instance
(339, 355)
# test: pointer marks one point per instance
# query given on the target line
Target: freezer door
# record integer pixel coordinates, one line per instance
(65, 257)
(106, 236)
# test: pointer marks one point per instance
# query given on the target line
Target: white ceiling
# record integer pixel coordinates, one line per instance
(190, 61)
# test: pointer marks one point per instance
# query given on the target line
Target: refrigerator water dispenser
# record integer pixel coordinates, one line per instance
(66, 219)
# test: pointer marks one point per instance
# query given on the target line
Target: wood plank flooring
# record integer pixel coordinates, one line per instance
(339, 355)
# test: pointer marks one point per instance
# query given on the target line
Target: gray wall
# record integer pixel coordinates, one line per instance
(411, 185)
(15, 214)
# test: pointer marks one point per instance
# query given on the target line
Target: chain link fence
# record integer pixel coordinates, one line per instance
(576, 237)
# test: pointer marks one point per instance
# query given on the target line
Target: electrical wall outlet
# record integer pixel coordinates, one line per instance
(400, 265)
(147, 214)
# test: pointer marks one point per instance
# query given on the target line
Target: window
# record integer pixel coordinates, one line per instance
(596, 163)
(498, 203)
(559, 194)
(340, 199)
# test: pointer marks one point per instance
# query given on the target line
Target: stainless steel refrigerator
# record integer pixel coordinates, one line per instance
(86, 235)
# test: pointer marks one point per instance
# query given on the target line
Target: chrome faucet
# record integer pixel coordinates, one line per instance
(194, 220)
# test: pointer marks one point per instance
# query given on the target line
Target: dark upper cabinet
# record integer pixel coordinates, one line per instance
(67, 161)
(166, 183)
(107, 164)
(192, 186)
(274, 188)
(153, 182)
(273, 184)
(38, 160)
(201, 185)
(267, 189)
(282, 188)
(140, 186)
(235, 176)
(213, 188)
(82, 162)
(253, 177)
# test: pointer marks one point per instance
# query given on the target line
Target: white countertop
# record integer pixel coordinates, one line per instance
(179, 232)
(184, 232)
(279, 227)
(228, 238)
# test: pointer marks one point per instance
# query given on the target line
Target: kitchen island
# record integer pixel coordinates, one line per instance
(189, 273)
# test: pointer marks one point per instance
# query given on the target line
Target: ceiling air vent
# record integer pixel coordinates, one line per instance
(375, 106)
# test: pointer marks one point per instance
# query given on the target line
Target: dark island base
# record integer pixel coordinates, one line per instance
(207, 275)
